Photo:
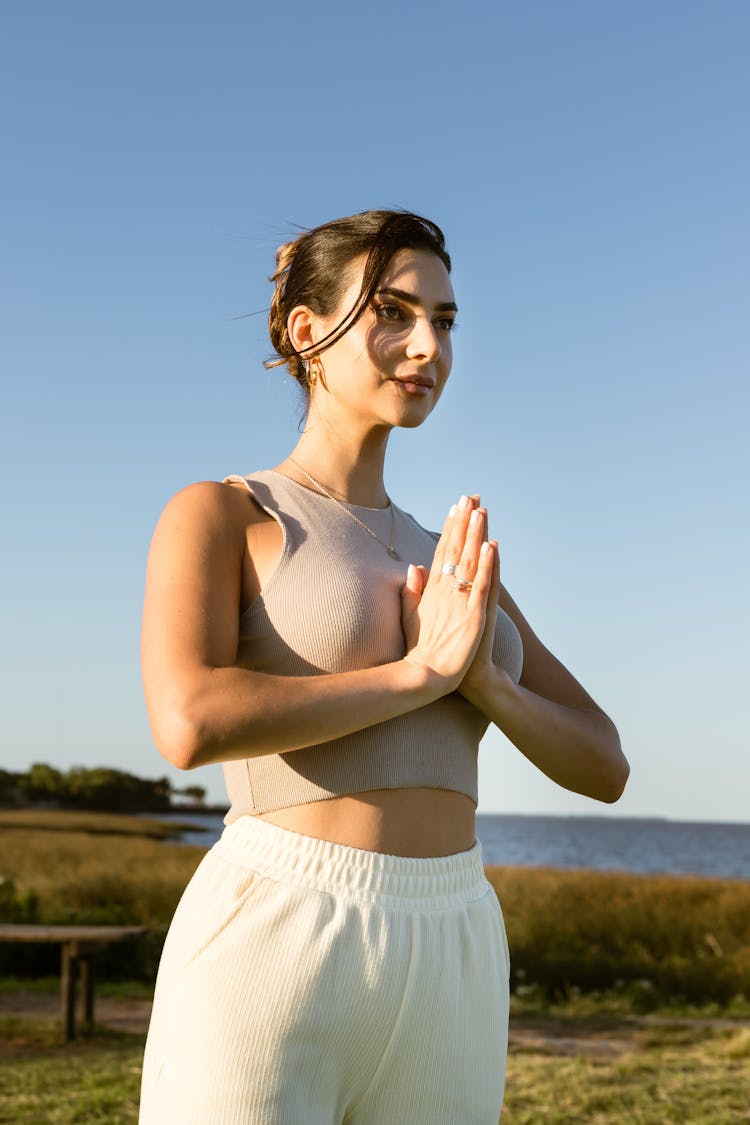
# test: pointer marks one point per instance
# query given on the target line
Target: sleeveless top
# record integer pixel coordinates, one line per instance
(333, 604)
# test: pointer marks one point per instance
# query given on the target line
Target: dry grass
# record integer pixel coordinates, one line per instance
(679, 1073)
(96, 823)
(674, 935)
(657, 936)
(655, 1076)
(79, 876)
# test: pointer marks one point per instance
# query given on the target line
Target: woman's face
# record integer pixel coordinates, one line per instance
(390, 368)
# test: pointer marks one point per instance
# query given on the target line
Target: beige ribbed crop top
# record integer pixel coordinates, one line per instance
(333, 604)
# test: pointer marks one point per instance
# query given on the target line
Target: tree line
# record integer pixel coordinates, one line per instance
(100, 788)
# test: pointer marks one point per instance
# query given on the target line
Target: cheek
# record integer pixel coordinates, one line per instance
(446, 357)
(384, 347)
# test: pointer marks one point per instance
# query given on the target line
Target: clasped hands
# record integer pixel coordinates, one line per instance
(448, 615)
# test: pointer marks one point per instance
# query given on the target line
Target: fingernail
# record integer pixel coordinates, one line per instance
(452, 512)
(484, 548)
(464, 503)
(475, 517)
(409, 572)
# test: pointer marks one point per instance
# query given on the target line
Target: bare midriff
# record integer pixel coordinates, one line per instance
(420, 823)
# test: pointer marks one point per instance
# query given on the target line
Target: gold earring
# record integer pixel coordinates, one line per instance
(315, 372)
(308, 371)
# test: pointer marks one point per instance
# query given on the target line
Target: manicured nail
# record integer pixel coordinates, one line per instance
(484, 548)
(409, 572)
(464, 503)
(475, 517)
(452, 512)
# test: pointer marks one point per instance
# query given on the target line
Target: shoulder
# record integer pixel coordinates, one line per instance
(207, 512)
(212, 503)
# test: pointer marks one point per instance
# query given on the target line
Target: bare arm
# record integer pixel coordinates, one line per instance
(552, 720)
(203, 708)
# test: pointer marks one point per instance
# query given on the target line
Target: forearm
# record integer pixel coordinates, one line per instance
(578, 748)
(222, 714)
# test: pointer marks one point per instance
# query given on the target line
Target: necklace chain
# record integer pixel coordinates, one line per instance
(388, 546)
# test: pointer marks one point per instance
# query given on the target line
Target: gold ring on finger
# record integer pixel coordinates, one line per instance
(463, 585)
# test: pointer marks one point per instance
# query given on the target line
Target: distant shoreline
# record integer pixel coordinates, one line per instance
(636, 845)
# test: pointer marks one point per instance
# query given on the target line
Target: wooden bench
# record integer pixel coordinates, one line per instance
(79, 944)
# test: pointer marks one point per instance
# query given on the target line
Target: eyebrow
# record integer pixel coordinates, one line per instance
(411, 299)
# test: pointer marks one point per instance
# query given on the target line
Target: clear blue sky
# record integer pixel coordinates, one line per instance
(589, 164)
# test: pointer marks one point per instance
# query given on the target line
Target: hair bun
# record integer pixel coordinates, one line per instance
(277, 314)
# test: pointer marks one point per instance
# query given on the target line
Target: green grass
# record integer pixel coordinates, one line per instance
(675, 1072)
(618, 1004)
(94, 1080)
(681, 1072)
(50, 986)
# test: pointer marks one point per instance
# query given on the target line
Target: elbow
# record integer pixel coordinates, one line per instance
(613, 770)
(181, 738)
(613, 785)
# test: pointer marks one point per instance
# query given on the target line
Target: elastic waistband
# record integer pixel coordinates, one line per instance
(289, 857)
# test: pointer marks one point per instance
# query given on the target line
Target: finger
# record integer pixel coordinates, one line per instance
(493, 596)
(449, 549)
(439, 557)
(478, 595)
(413, 579)
(476, 534)
(458, 527)
(411, 591)
(496, 570)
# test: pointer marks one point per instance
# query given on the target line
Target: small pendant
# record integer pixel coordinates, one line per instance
(394, 553)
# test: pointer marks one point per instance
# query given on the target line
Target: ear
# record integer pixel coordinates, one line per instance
(301, 326)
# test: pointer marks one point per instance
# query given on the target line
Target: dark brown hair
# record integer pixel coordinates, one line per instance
(315, 269)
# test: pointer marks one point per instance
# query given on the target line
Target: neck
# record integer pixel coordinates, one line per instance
(351, 471)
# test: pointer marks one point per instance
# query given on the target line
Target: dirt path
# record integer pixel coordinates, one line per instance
(537, 1035)
(119, 1013)
(597, 1038)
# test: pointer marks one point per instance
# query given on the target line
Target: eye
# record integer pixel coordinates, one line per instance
(445, 324)
(390, 313)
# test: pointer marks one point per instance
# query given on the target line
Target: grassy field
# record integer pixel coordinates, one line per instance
(675, 1072)
(570, 1069)
(116, 868)
(631, 997)
(655, 937)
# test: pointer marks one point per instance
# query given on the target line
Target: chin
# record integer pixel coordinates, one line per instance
(411, 423)
(420, 411)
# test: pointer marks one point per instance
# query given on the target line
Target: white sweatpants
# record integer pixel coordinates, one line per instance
(308, 983)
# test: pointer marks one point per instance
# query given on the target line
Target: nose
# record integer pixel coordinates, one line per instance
(423, 342)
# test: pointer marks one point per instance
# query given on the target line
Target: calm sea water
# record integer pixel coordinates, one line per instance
(603, 843)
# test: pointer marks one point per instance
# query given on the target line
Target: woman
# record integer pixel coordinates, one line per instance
(339, 955)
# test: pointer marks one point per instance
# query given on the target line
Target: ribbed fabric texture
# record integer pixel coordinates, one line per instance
(308, 983)
(333, 604)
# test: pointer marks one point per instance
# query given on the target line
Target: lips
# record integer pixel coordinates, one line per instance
(423, 381)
